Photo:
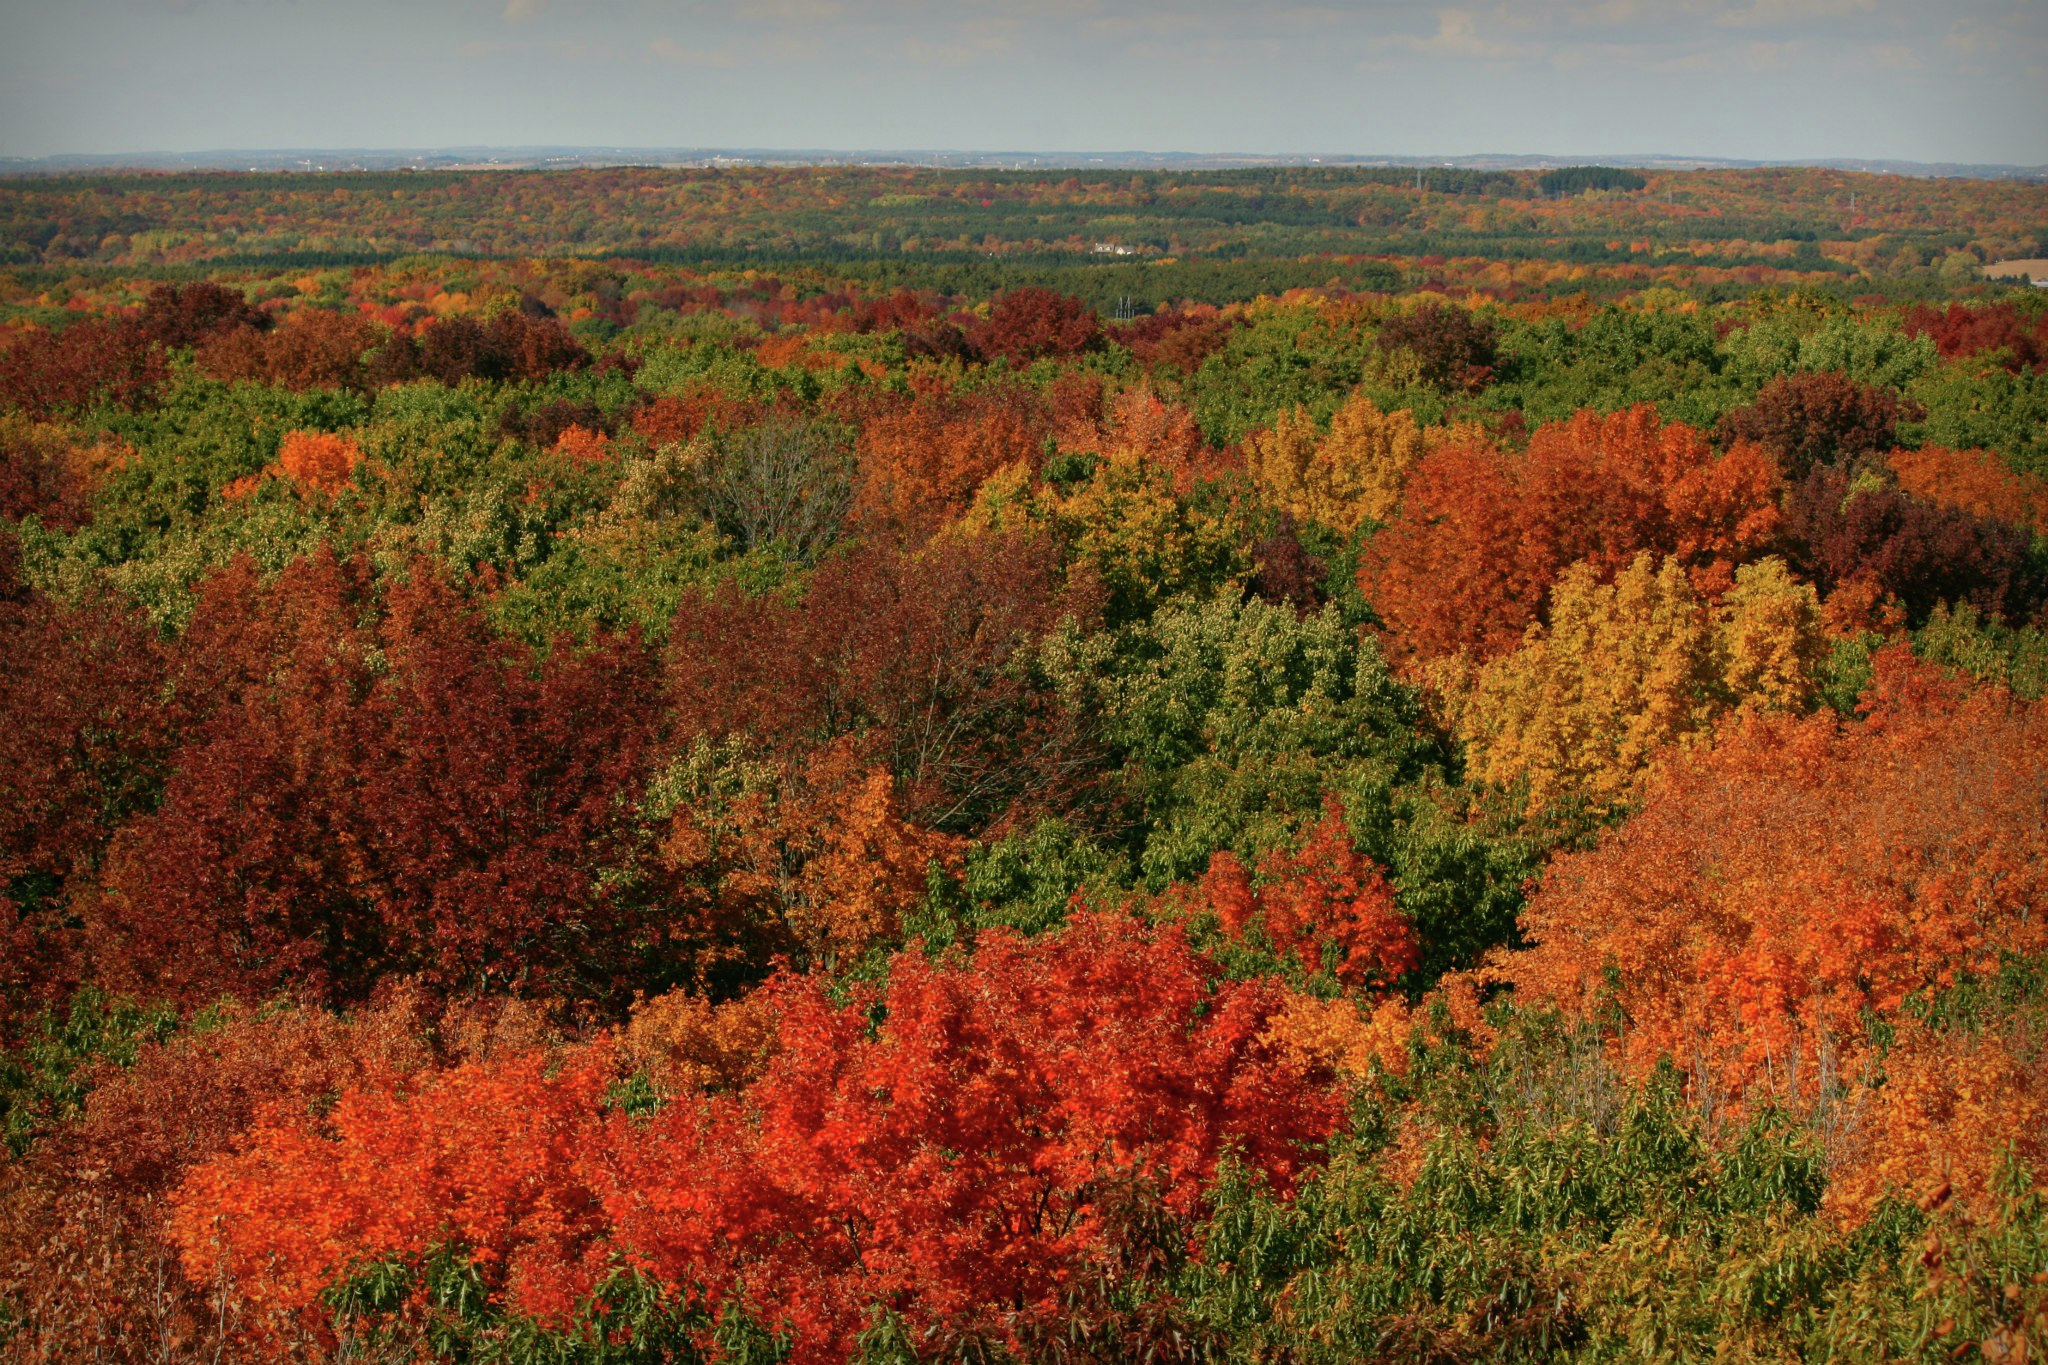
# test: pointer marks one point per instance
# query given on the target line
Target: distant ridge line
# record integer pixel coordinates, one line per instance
(344, 159)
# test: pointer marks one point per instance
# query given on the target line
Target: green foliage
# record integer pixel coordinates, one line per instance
(45, 1078)
(391, 1311)
(1579, 179)
(1619, 358)
(1554, 1213)
(1962, 638)
(1972, 405)
(1233, 718)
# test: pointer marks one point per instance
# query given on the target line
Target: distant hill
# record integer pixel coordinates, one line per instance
(527, 158)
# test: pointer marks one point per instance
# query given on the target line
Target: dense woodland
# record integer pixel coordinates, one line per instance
(1357, 788)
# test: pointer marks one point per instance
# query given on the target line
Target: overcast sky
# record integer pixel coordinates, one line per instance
(1926, 80)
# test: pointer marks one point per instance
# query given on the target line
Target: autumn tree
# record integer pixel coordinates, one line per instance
(926, 657)
(1846, 533)
(1029, 323)
(921, 464)
(1323, 904)
(1626, 669)
(84, 738)
(1482, 533)
(1345, 477)
(1083, 1084)
(1822, 418)
(1452, 348)
(377, 787)
(1976, 481)
(1801, 876)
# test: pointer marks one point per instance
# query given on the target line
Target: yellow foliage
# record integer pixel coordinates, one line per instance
(1341, 479)
(1627, 668)
(1339, 1034)
(1771, 638)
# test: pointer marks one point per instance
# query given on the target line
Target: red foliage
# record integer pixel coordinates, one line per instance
(678, 418)
(1454, 348)
(186, 314)
(1993, 327)
(315, 348)
(375, 790)
(47, 473)
(919, 655)
(98, 360)
(970, 1162)
(1176, 337)
(1028, 324)
(1321, 902)
(1839, 533)
(1483, 533)
(83, 738)
(1809, 419)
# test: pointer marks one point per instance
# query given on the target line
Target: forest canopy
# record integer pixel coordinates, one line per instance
(800, 766)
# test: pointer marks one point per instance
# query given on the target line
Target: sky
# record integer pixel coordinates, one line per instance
(1920, 80)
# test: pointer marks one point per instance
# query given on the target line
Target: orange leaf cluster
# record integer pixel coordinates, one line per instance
(1977, 481)
(959, 1161)
(1802, 872)
(1483, 533)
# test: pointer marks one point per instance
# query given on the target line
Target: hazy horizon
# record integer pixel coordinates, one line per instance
(1770, 80)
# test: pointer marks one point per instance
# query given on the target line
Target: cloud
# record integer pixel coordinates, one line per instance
(521, 11)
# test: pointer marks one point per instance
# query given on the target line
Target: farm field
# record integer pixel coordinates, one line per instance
(882, 765)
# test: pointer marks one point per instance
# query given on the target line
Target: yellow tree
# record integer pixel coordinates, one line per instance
(1625, 669)
(1343, 478)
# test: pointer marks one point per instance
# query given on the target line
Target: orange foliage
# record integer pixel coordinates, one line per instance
(921, 464)
(825, 855)
(963, 1161)
(1952, 1105)
(485, 1156)
(684, 1043)
(319, 461)
(1977, 481)
(1482, 533)
(86, 1258)
(583, 445)
(1802, 872)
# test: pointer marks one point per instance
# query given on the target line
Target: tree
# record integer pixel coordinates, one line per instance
(1324, 904)
(1862, 534)
(1627, 669)
(1802, 871)
(1030, 323)
(1452, 348)
(1974, 481)
(782, 482)
(1342, 479)
(928, 658)
(1823, 418)
(371, 787)
(1023, 1140)
(1482, 533)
